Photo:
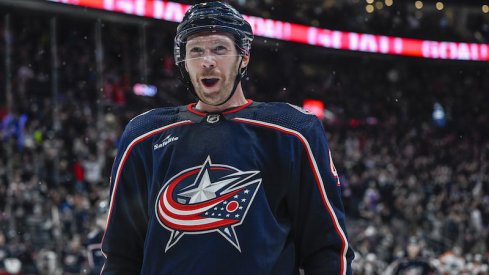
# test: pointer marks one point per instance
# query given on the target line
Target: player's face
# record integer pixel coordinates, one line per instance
(212, 62)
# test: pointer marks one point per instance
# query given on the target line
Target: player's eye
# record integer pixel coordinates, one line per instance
(220, 49)
(196, 51)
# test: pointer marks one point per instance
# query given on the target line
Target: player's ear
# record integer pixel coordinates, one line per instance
(246, 60)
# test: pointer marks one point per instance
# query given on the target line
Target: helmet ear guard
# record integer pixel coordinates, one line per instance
(212, 17)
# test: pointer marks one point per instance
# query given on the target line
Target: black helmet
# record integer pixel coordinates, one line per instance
(213, 17)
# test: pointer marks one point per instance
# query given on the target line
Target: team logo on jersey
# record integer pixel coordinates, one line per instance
(205, 199)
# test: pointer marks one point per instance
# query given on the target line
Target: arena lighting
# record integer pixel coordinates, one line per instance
(388, 3)
(314, 106)
(438, 115)
(418, 4)
(439, 6)
(485, 8)
(350, 41)
(379, 5)
(144, 89)
(369, 8)
(370, 1)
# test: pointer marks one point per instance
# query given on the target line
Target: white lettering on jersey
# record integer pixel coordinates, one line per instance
(165, 142)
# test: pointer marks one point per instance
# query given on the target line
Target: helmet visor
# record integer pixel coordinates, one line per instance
(201, 41)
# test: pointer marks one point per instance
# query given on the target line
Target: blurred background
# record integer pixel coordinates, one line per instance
(406, 115)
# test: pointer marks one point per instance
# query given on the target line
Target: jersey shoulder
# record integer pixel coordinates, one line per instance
(149, 121)
(285, 114)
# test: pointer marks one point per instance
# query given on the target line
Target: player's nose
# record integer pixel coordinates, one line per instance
(208, 61)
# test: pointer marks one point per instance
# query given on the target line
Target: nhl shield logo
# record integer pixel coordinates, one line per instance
(205, 199)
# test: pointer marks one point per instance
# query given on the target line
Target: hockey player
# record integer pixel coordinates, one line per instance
(225, 185)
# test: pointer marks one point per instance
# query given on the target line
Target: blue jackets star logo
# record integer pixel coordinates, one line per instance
(205, 199)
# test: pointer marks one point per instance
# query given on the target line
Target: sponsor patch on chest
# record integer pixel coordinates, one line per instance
(169, 139)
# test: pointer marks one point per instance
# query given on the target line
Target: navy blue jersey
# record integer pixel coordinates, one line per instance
(252, 190)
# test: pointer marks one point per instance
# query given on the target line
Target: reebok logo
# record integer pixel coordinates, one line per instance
(165, 142)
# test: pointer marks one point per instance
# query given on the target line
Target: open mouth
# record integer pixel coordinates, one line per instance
(209, 82)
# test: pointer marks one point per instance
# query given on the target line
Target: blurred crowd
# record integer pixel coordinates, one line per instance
(415, 188)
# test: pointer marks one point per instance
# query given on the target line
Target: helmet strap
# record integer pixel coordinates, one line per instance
(238, 78)
(187, 81)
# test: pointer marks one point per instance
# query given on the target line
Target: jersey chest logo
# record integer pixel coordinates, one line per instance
(205, 199)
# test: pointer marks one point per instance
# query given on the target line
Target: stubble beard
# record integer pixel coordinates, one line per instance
(214, 97)
(226, 84)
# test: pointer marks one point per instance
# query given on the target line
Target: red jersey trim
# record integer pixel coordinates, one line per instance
(190, 108)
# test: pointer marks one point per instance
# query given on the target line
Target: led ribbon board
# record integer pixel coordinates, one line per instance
(350, 41)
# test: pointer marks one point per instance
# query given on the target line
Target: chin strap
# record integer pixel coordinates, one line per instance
(188, 82)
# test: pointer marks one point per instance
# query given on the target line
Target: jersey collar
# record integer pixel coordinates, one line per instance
(191, 108)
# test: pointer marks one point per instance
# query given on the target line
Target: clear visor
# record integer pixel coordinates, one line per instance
(210, 46)
(209, 42)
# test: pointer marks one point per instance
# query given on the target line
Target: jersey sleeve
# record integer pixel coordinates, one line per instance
(123, 241)
(321, 238)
